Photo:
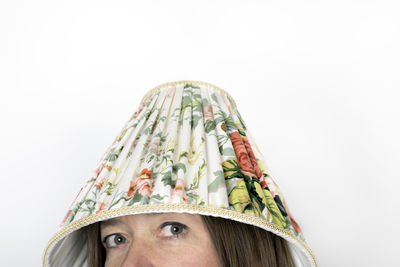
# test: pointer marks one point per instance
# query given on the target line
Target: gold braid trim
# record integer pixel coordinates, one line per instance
(188, 208)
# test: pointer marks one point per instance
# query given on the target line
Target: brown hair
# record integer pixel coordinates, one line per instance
(237, 244)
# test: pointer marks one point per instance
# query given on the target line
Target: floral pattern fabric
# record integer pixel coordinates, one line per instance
(187, 143)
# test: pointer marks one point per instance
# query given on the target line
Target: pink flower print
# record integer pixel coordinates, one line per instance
(99, 168)
(115, 140)
(271, 186)
(138, 112)
(143, 184)
(179, 193)
(294, 223)
(134, 144)
(208, 112)
(101, 206)
(132, 189)
(242, 155)
(144, 187)
(146, 145)
(253, 159)
(263, 183)
(155, 145)
(108, 167)
(66, 217)
(99, 183)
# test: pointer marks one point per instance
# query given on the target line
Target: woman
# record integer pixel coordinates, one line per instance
(182, 239)
(183, 184)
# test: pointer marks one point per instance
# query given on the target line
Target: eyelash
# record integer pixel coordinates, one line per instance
(180, 235)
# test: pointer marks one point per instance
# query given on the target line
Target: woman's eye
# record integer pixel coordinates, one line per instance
(173, 229)
(114, 240)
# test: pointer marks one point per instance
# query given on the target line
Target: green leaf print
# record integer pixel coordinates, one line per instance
(193, 197)
(150, 158)
(89, 201)
(228, 151)
(88, 206)
(239, 117)
(195, 120)
(117, 201)
(280, 205)
(214, 97)
(167, 179)
(112, 157)
(178, 166)
(222, 139)
(148, 114)
(231, 169)
(230, 124)
(273, 209)
(183, 154)
(74, 211)
(191, 85)
(204, 102)
(219, 180)
(239, 197)
(122, 135)
(158, 197)
(109, 188)
(136, 198)
(196, 105)
(198, 176)
(186, 102)
(209, 125)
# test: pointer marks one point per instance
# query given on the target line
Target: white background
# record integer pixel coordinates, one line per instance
(317, 83)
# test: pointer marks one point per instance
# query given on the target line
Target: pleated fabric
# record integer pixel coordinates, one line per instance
(186, 149)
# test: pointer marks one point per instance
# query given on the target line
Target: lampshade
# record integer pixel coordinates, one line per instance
(186, 149)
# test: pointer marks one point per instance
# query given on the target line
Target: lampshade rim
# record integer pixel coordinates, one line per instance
(186, 208)
(175, 83)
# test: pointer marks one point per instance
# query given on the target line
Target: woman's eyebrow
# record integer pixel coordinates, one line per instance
(165, 214)
(172, 216)
(116, 221)
(109, 223)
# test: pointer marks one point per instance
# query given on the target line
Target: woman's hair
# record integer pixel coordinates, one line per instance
(237, 244)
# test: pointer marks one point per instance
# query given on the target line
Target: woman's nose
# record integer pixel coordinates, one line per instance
(140, 254)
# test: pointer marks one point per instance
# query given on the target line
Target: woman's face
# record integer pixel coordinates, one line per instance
(158, 239)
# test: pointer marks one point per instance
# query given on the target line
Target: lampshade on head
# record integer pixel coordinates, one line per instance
(186, 149)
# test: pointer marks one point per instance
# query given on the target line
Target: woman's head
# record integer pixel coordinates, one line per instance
(183, 239)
